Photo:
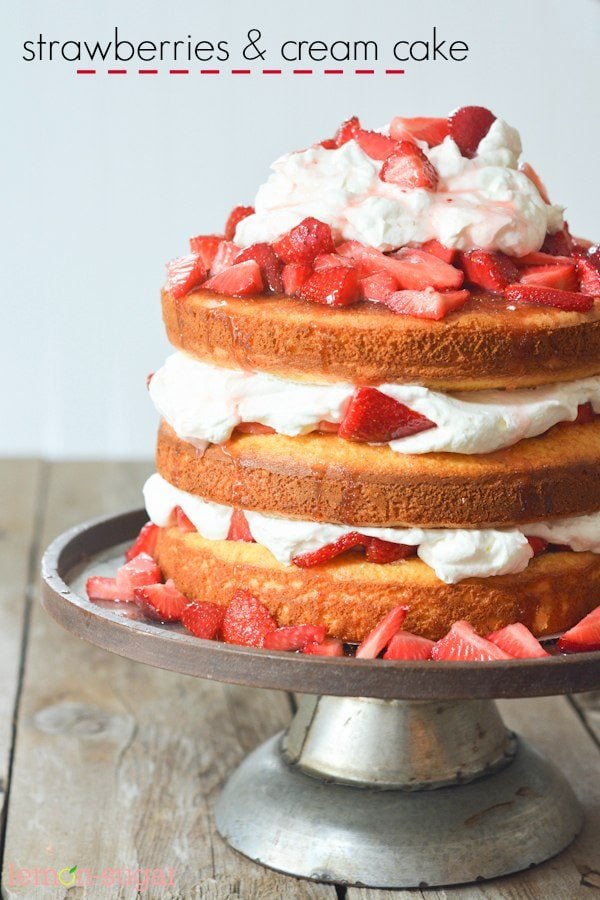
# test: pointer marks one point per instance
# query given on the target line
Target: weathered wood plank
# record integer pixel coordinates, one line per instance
(117, 764)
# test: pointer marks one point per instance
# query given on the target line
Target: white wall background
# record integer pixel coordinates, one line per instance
(104, 177)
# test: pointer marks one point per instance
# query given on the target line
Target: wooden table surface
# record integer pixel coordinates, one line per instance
(111, 765)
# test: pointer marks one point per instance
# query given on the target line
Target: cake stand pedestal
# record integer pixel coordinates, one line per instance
(392, 774)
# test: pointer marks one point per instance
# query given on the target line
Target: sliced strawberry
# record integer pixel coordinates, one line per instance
(377, 146)
(99, 588)
(541, 259)
(239, 530)
(468, 126)
(412, 268)
(583, 636)
(431, 130)
(585, 414)
(225, 257)
(408, 168)
(542, 296)
(378, 286)
(428, 304)
(329, 647)
(347, 131)
(588, 272)
(447, 254)
(376, 417)
(533, 176)
(489, 269)
(328, 427)
(203, 619)
(138, 572)
(463, 643)
(381, 635)
(329, 551)
(185, 273)
(235, 217)
(206, 246)
(537, 544)
(562, 277)
(334, 287)
(379, 551)
(306, 240)
(145, 542)
(240, 280)
(254, 428)
(517, 641)
(184, 524)
(247, 621)
(161, 602)
(269, 262)
(405, 645)
(293, 276)
(558, 244)
(328, 144)
(294, 637)
(330, 261)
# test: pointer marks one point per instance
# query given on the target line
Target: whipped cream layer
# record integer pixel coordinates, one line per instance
(453, 554)
(204, 403)
(484, 202)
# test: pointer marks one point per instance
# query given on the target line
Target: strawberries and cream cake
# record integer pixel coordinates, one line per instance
(384, 393)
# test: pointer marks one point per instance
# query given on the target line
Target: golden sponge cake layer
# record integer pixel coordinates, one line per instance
(327, 479)
(350, 596)
(484, 345)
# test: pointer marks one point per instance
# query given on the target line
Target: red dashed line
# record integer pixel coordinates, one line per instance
(86, 71)
(147, 71)
(179, 71)
(302, 71)
(394, 71)
(210, 71)
(272, 71)
(364, 71)
(333, 71)
(240, 71)
(117, 72)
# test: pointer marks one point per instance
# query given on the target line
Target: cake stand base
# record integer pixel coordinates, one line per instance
(396, 793)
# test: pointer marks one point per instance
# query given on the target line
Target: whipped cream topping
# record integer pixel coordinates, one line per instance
(482, 202)
(204, 403)
(453, 554)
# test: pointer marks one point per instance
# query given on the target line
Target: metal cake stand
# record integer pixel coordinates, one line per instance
(391, 774)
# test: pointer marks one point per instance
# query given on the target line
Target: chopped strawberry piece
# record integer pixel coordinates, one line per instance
(562, 277)
(447, 254)
(330, 261)
(517, 641)
(240, 280)
(428, 304)
(405, 645)
(412, 268)
(254, 428)
(206, 246)
(269, 262)
(377, 287)
(225, 257)
(489, 269)
(306, 240)
(583, 636)
(184, 524)
(294, 637)
(378, 551)
(329, 647)
(203, 619)
(239, 530)
(381, 635)
(235, 217)
(376, 417)
(408, 168)
(421, 128)
(161, 602)
(537, 544)
(542, 296)
(541, 259)
(558, 244)
(533, 176)
(347, 131)
(99, 588)
(585, 414)
(328, 144)
(463, 643)
(376, 145)
(334, 287)
(468, 126)
(293, 276)
(247, 621)
(138, 572)
(588, 271)
(185, 273)
(328, 427)
(329, 551)
(145, 542)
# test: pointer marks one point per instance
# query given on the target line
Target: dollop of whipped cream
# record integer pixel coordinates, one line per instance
(204, 403)
(484, 202)
(453, 554)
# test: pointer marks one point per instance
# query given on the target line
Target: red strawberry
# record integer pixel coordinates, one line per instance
(240, 280)
(138, 572)
(330, 261)
(408, 168)
(161, 602)
(447, 254)
(533, 176)
(489, 269)
(468, 126)
(294, 637)
(377, 146)
(562, 277)
(558, 244)
(270, 265)
(376, 417)
(541, 296)
(328, 427)
(225, 257)
(247, 621)
(206, 246)
(588, 271)
(149, 378)
(235, 217)
(378, 551)
(254, 428)
(328, 144)
(431, 130)
(426, 304)
(203, 619)
(99, 588)
(184, 524)
(537, 544)
(329, 551)
(412, 268)
(405, 645)
(381, 635)
(585, 414)
(347, 131)
(377, 287)
(334, 287)
(583, 636)
(239, 530)
(517, 641)
(145, 542)
(329, 647)
(463, 643)
(301, 244)
(542, 259)
(293, 276)
(185, 273)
